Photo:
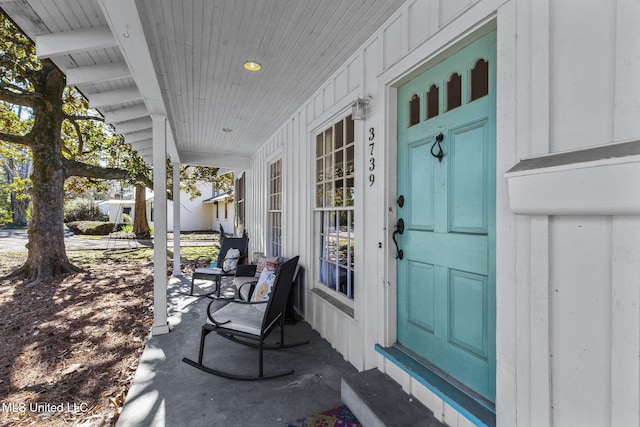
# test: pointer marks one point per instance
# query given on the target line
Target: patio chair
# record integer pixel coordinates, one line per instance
(251, 323)
(222, 268)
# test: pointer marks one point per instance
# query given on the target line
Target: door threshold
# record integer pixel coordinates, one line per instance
(479, 412)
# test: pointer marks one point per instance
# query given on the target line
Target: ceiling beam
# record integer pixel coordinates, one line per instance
(138, 145)
(124, 20)
(114, 97)
(144, 151)
(68, 42)
(97, 73)
(124, 114)
(214, 160)
(133, 125)
(132, 137)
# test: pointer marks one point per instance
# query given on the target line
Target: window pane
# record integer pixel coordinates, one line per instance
(339, 193)
(339, 159)
(319, 170)
(331, 222)
(349, 163)
(350, 192)
(454, 91)
(319, 146)
(433, 101)
(480, 79)
(339, 136)
(328, 166)
(351, 239)
(414, 110)
(350, 133)
(328, 194)
(328, 140)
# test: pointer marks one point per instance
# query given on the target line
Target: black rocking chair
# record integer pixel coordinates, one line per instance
(247, 323)
(216, 273)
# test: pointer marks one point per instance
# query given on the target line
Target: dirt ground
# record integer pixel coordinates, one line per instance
(69, 348)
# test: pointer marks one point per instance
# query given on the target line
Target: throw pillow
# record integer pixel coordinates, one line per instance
(266, 262)
(262, 291)
(231, 260)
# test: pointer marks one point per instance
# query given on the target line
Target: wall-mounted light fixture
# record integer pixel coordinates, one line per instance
(359, 108)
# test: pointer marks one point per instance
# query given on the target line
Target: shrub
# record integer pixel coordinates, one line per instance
(91, 228)
(83, 210)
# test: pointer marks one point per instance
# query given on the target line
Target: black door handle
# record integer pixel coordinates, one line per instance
(399, 230)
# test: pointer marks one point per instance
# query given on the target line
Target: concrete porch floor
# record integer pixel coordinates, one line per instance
(168, 392)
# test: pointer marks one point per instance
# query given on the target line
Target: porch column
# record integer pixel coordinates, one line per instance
(160, 324)
(176, 220)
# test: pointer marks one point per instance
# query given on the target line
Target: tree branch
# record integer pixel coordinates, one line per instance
(17, 139)
(75, 168)
(72, 118)
(76, 126)
(16, 89)
(17, 98)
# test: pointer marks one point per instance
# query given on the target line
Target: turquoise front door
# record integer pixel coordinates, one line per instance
(446, 177)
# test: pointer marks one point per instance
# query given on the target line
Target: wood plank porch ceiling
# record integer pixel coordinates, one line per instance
(198, 48)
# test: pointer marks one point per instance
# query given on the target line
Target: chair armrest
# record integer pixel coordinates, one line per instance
(251, 285)
(246, 270)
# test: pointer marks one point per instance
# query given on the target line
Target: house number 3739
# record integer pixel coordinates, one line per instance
(372, 159)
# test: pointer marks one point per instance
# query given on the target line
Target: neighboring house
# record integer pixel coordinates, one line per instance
(116, 208)
(505, 134)
(204, 213)
(223, 212)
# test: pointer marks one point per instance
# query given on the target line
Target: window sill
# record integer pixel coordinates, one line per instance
(334, 301)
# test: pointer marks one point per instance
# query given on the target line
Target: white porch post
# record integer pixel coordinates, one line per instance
(160, 324)
(176, 220)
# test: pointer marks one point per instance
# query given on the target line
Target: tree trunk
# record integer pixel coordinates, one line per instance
(19, 205)
(47, 257)
(19, 210)
(140, 224)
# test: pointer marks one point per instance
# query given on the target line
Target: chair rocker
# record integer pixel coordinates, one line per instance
(251, 323)
(216, 273)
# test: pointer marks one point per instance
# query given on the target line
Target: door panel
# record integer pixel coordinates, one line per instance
(468, 311)
(420, 191)
(467, 180)
(422, 289)
(446, 280)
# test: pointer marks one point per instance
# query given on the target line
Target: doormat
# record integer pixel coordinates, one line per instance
(336, 417)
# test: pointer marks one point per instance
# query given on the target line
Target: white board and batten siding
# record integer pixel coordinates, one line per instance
(568, 283)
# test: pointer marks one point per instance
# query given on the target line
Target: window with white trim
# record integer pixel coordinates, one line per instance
(334, 183)
(275, 208)
(239, 199)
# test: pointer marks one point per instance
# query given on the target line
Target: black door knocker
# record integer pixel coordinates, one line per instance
(439, 155)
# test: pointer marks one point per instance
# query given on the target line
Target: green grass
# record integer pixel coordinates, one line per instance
(199, 252)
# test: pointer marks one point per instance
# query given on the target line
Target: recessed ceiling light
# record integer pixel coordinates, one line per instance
(227, 129)
(252, 66)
